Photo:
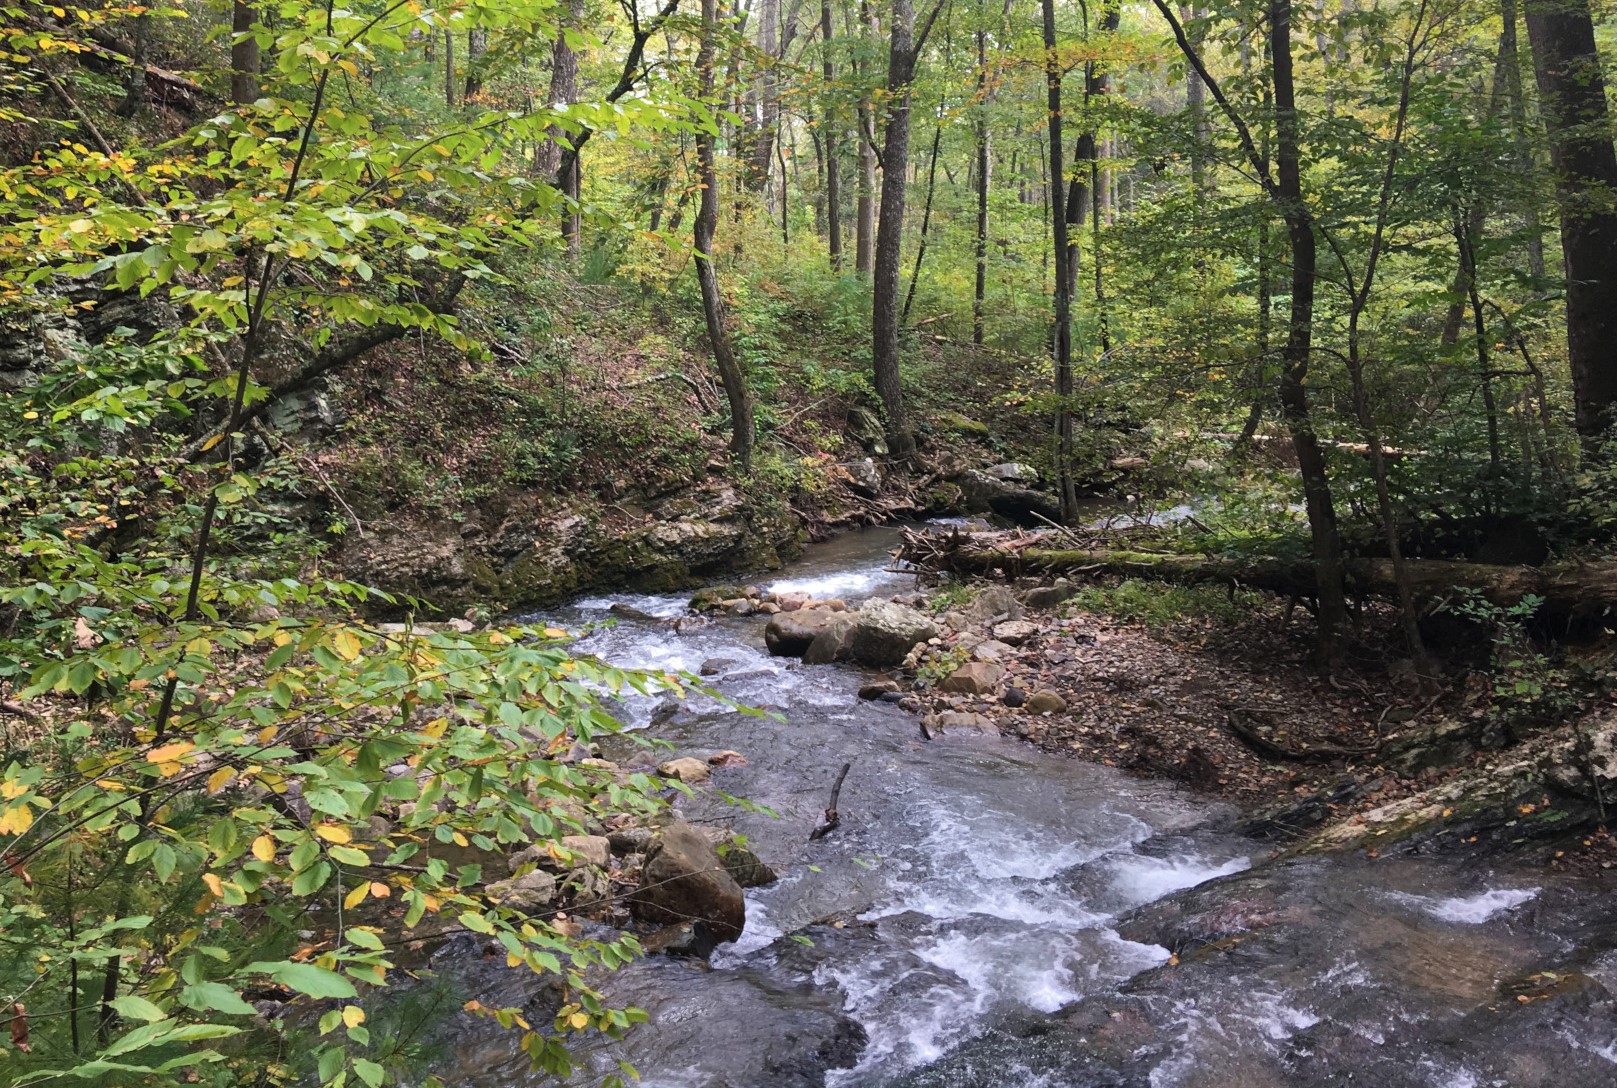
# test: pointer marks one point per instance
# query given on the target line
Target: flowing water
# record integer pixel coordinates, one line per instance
(990, 915)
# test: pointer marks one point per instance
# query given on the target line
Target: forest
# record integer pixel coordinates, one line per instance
(1145, 471)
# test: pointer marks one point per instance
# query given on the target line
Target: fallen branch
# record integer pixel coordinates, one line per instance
(832, 819)
(1252, 733)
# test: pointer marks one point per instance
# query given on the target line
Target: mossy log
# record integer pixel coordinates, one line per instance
(1572, 589)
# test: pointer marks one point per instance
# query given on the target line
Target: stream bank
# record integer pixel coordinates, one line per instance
(992, 914)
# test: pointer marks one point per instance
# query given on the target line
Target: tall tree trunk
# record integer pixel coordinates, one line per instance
(243, 54)
(1081, 195)
(895, 159)
(476, 45)
(1196, 108)
(1572, 93)
(1061, 333)
(1293, 390)
(135, 74)
(865, 211)
(449, 67)
(1509, 45)
(984, 180)
(707, 220)
(833, 161)
(563, 92)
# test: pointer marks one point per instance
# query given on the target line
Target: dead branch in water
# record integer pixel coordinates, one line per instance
(832, 819)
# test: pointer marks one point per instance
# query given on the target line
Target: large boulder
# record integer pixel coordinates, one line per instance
(833, 642)
(884, 633)
(973, 678)
(529, 893)
(684, 880)
(984, 494)
(789, 634)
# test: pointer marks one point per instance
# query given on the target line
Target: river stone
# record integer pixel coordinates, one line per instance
(982, 493)
(1046, 598)
(989, 650)
(685, 769)
(886, 632)
(790, 634)
(587, 849)
(877, 689)
(715, 665)
(994, 603)
(747, 868)
(630, 840)
(1045, 702)
(1015, 632)
(529, 893)
(864, 478)
(1013, 697)
(1015, 472)
(683, 880)
(832, 643)
(973, 678)
(960, 721)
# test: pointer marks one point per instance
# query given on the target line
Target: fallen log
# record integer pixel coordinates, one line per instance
(1583, 590)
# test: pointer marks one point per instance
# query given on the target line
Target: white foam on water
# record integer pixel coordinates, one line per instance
(660, 605)
(1237, 1017)
(1469, 909)
(1027, 966)
(841, 584)
(1443, 1075)
(1139, 879)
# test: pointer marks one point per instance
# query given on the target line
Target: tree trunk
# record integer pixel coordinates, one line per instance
(707, 219)
(476, 45)
(1081, 190)
(449, 68)
(243, 54)
(135, 76)
(763, 143)
(833, 163)
(1572, 92)
(1061, 333)
(895, 159)
(1509, 46)
(865, 211)
(563, 92)
(926, 215)
(1293, 390)
(984, 180)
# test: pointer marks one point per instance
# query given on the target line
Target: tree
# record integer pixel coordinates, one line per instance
(1572, 91)
(1061, 305)
(904, 48)
(707, 219)
(832, 143)
(243, 53)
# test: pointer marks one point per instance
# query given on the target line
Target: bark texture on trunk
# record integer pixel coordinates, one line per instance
(243, 54)
(1572, 92)
(833, 163)
(1061, 307)
(865, 208)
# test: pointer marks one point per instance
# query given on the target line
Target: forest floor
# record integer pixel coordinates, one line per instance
(1230, 704)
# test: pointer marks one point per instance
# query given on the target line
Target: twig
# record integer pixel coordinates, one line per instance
(832, 818)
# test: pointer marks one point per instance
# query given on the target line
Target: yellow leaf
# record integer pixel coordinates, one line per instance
(212, 442)
(215, 885)
(353, 1016)
(219, 779)
(168, 753)
(579, 1019)
(336, 833)
(436, 727)
(554, 632)
(264, 848)
(354, 898)
(12, 790)
(346, 643)
(267, 734)
(16, 820)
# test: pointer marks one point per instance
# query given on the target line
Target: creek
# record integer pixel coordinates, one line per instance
(991, 915)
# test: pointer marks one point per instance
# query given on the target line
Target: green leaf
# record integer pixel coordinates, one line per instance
(215, 997)
(369, 1072)
(305, 978)
(132, 1007)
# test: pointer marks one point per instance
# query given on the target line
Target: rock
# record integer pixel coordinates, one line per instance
(991, 650)
(630, 612)
(1015, 472)
(740, 607)
(685, 769)
(886, 632)
(1013, 697)
(865, 427)
(955, 423)
(957, 721)
(684, 880)
(994, 603)
(1046, 702)
(864, 478)
(715, 665)
(878, 689)
(790, 634)
(981, 493)
(530, 893)
(588, 849)
(687, 939)
(832, 643)
(727, 758)
(832, 604)
(1016, 632)
(790, 602)
(745, 867)
(973, 678)
(708, 599)
(1046, 598)
(894, 696)
(630, 840)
